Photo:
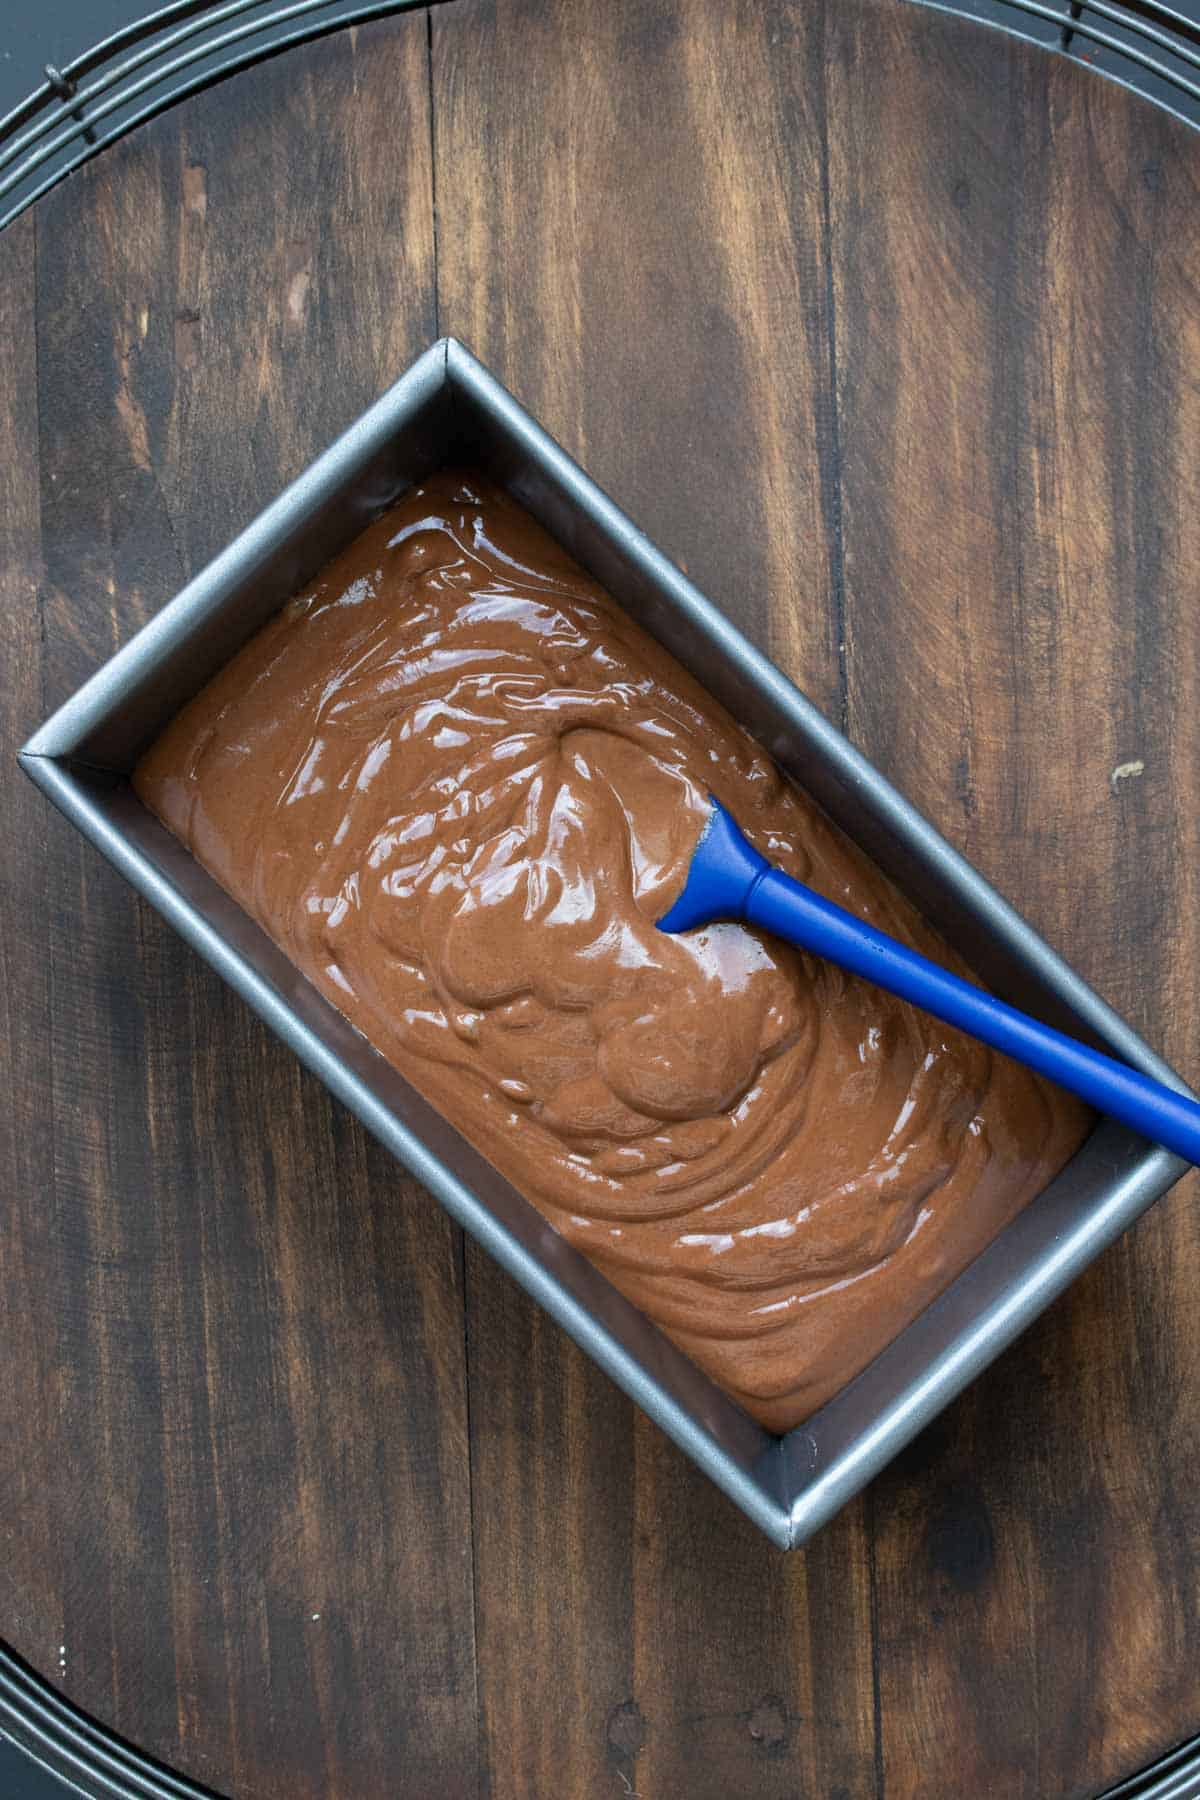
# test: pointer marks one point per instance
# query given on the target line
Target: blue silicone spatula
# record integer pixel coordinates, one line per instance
(728, 879)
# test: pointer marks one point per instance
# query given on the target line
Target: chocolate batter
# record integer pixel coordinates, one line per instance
(458, 786)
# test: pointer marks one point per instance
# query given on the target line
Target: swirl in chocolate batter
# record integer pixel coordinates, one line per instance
(459, 785)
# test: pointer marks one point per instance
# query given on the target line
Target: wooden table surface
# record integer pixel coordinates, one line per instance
(888, 328)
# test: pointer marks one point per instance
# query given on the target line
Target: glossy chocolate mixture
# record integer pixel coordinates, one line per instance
(458, 785)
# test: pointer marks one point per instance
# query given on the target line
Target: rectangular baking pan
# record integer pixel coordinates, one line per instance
(448, 409)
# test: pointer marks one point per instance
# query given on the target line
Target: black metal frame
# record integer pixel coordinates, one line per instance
(1146, 45)
(145, 67)
(49, 1748)
(63, 1753)
(58, 1751)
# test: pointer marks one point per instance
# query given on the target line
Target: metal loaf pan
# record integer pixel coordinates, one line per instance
(446, 409)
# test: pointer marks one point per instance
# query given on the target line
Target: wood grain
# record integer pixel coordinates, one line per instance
(248, 1447)
(887, 328)
(1017, 332)
(31, 1568)
(643, 330)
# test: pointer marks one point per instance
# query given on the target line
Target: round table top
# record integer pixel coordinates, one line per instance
(888, 328)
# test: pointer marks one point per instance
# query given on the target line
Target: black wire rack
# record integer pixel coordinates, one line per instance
(95, 98)
(57, 1753)
(89, 102)
(1142, 44)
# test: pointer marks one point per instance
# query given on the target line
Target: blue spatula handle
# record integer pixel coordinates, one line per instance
(796, 913)
(728, 879)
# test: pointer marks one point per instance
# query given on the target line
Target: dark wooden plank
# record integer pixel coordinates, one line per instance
(634, 241)
(31, 1393)
(1017, 322)
(237, 1395)
(251, 1466)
